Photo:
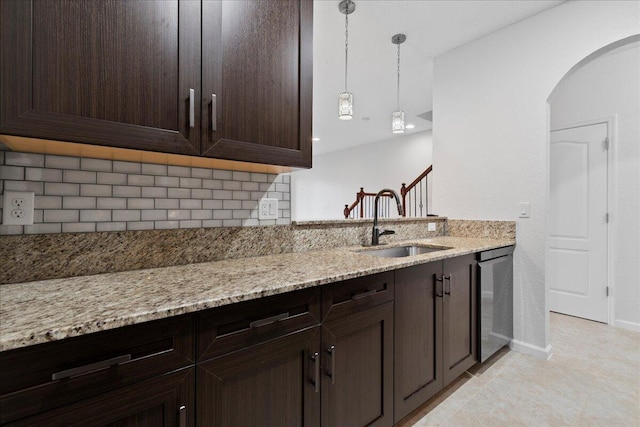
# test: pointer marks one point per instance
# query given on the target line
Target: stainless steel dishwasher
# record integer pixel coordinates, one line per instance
(495, 288)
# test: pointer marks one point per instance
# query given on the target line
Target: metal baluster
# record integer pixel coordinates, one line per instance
(421, 205)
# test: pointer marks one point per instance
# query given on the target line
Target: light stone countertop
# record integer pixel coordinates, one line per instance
(48, 310)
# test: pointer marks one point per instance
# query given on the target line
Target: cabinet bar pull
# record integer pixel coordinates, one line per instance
(91, 367)
(182, 422)
(363, 294)
(332, 353)
(192, 108)
(447, 280)
(214, 115)
(438, 285)
(268, 320)
(316, 378)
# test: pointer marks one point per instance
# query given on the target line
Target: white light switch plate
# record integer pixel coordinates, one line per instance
(17, 208)
(525, 209)
(268, 209)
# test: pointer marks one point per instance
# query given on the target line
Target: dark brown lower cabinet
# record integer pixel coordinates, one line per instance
(159, 402)
(271, 384)
(435, 329)
(357, 384)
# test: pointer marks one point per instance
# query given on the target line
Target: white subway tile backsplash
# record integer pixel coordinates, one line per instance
(124, 191)
(60, 189)
(97, 190)
(142, 225)
(24, 159)
(74, 202)
(112, 178)
(178, 214)
(140, 203)
(62, 162)
(87, 195)
(151, 169)
(42, 174)
(179, 171)
(33, 186)
(220, 174)
(80, 177)
(97, 215)
(79, 227)
(96, 165)
(111, 226)
(59, 215)
(127, 167)
(12, 172)
(141, 180)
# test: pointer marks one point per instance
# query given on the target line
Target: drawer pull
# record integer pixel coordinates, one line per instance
(316, 378)
(332, 352)
(268, 320)
(182, 421)
(91, 367)
(363, 294)
(447, 289)
(192, 108)
(439, 281)
(214, 112)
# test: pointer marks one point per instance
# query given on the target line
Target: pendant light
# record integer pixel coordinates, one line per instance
(345, 99)
(397, 119)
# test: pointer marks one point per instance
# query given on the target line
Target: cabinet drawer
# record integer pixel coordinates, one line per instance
(42, 377)
(234, 327)
(344, 298)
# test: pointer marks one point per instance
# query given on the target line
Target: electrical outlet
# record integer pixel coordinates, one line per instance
(268, 209)
(17, 208)
(431, 226)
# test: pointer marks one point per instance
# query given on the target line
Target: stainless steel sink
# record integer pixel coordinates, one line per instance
(401, 251)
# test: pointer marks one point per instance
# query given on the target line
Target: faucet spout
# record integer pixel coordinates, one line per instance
(375, 232)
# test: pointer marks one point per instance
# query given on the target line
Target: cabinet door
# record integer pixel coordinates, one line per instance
(357, 385)
(257, 61)
(459, 316)
(162, 401)
(110, 72)
(418, 336)
(271, 384)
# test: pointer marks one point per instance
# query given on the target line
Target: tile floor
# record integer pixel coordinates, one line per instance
(592, 379)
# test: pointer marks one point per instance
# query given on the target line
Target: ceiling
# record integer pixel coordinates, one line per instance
(432, 27)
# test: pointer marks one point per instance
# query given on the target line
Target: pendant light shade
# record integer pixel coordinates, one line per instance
(397, 118)
(345, 99)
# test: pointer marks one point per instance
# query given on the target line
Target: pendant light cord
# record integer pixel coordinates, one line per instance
(346, 47)
(398, 91)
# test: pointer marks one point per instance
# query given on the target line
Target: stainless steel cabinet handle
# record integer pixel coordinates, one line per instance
(192, 108)
(182, 421)
(363, 294)
(438, 281)
(91, 367)
(214, 115)
(316, 378)
(447, 280)
(268, 320)
(332, 353)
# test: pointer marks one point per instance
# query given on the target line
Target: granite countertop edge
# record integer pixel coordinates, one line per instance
(49, 310)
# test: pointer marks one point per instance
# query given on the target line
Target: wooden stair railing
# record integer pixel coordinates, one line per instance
(418, 189)
(364, 202)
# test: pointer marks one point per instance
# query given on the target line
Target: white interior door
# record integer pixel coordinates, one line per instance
(577, 254)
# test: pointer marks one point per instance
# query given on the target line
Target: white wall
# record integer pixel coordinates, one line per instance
(609, 86)
(491, 131)
(336, 177)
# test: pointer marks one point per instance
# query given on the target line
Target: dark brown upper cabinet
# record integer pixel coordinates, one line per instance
(115, 72)
(257, 81)
(228, 80)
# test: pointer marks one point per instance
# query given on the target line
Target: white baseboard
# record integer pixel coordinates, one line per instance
(532, 350)
(632, 326)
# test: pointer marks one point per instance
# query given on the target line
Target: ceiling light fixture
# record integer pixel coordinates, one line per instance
(315, 138)
(410, 126)
(397, 119)
(345, 99)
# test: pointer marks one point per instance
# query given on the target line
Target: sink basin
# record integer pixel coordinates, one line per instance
(401, 251)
